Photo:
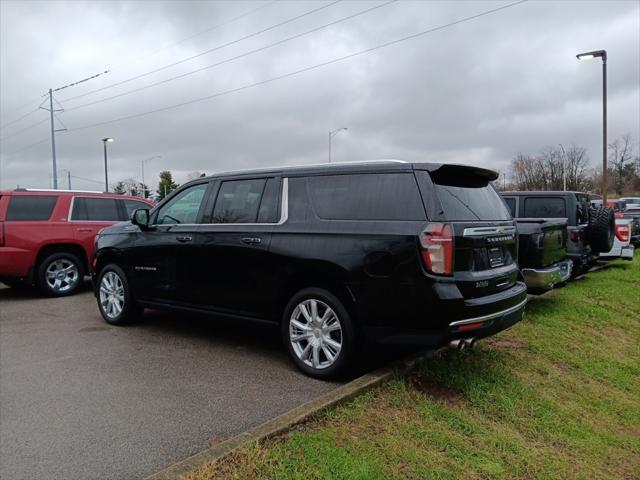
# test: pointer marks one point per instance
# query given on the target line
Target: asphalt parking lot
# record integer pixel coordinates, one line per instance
(80, 399)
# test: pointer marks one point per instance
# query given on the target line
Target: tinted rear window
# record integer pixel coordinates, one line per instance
(95, 209)
(31, 208)
(389, 196)
(544, 207)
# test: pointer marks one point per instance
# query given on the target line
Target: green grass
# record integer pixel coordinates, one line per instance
(556, 396)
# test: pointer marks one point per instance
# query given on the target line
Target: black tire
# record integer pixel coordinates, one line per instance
(60, 274)
(344, 362)
(601, 229)
(116, 281)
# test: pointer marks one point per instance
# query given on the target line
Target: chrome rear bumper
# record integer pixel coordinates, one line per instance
(547, 278)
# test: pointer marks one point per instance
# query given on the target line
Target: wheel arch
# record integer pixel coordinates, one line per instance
(331, 279)
(72, 248)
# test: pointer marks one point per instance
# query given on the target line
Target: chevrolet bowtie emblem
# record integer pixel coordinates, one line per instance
(500, 230)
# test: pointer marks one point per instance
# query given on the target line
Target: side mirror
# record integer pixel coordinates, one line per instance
(140, 217)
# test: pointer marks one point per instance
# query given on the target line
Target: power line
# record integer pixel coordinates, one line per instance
(19, 118)
(88, 179)
(26, 148)
(17, 132)
(142, 75)
(306, 69)
(260, 49)
(207, 30)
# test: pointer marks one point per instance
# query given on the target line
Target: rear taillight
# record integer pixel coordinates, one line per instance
(574, 236)
(618, 215)
(437, 248)
(622, 233)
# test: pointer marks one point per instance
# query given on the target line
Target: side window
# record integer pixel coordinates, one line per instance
(511, 205)
(31, 208)
(131, 205)
(184, 207)
(544, 207)
(95, 209)
(238, 201)
(270, 205)
(389, 196)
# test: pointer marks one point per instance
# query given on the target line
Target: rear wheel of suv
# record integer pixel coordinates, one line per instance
(60, 274)
(115, 301)
(318, 333)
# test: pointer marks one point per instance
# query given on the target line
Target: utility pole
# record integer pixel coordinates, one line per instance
(53, 127)
(53, 137)
(69, 179)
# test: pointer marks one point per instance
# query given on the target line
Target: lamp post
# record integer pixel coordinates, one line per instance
(564, 169)
(68, 177)
(601, 54)
(106, 172)
(333, 133)
(144, 189)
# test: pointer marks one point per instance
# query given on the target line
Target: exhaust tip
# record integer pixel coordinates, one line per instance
(462, 343)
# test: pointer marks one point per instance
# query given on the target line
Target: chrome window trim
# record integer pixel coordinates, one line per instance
(490, 316)
(284, 214)
(477, 231)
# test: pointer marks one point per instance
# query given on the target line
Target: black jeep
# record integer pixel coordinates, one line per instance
(590, 229)
(336, 255)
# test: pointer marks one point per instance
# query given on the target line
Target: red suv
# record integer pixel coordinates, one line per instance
(47, 236)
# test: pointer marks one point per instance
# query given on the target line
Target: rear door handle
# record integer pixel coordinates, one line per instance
(85, 230)
(184, 239)
(251, 240)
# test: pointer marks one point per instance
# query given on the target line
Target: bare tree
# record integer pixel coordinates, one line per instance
(621, 161)
(545, 171)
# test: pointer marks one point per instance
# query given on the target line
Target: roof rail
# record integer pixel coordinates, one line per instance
(54, 190)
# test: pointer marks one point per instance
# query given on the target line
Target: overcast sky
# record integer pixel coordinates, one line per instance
(476, 92)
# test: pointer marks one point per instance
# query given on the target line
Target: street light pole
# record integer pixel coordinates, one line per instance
(333, 133)
(144, 189)
(106, 170)
(564, 169)
(601, 54)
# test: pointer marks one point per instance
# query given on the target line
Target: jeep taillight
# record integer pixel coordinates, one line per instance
(437, 248)
(622, 233)
(574, 236)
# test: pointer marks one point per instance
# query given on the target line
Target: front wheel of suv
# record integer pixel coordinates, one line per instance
(319, 334)
(115, 301)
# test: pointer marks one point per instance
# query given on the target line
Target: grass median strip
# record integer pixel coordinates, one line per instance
(556, 396)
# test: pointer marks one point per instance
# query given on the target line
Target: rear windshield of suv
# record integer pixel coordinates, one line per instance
(366, 196)
(31, 207)
(467, 198)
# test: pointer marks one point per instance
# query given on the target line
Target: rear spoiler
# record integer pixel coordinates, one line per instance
(463, 175)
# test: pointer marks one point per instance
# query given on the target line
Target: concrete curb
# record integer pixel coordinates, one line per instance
(299, 414)
(293, 417)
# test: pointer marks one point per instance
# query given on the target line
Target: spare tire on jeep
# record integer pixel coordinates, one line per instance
(601, 229)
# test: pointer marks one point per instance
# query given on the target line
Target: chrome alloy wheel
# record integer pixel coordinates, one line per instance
(111, 294)
(315, 333)
(62, 275)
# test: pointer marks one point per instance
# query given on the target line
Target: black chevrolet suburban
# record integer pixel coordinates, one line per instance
(336, 255)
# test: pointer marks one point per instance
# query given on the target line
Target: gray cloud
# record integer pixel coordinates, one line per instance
(476, 92)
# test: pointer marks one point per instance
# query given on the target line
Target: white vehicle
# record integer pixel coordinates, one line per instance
(631, 201)
(622, 247)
